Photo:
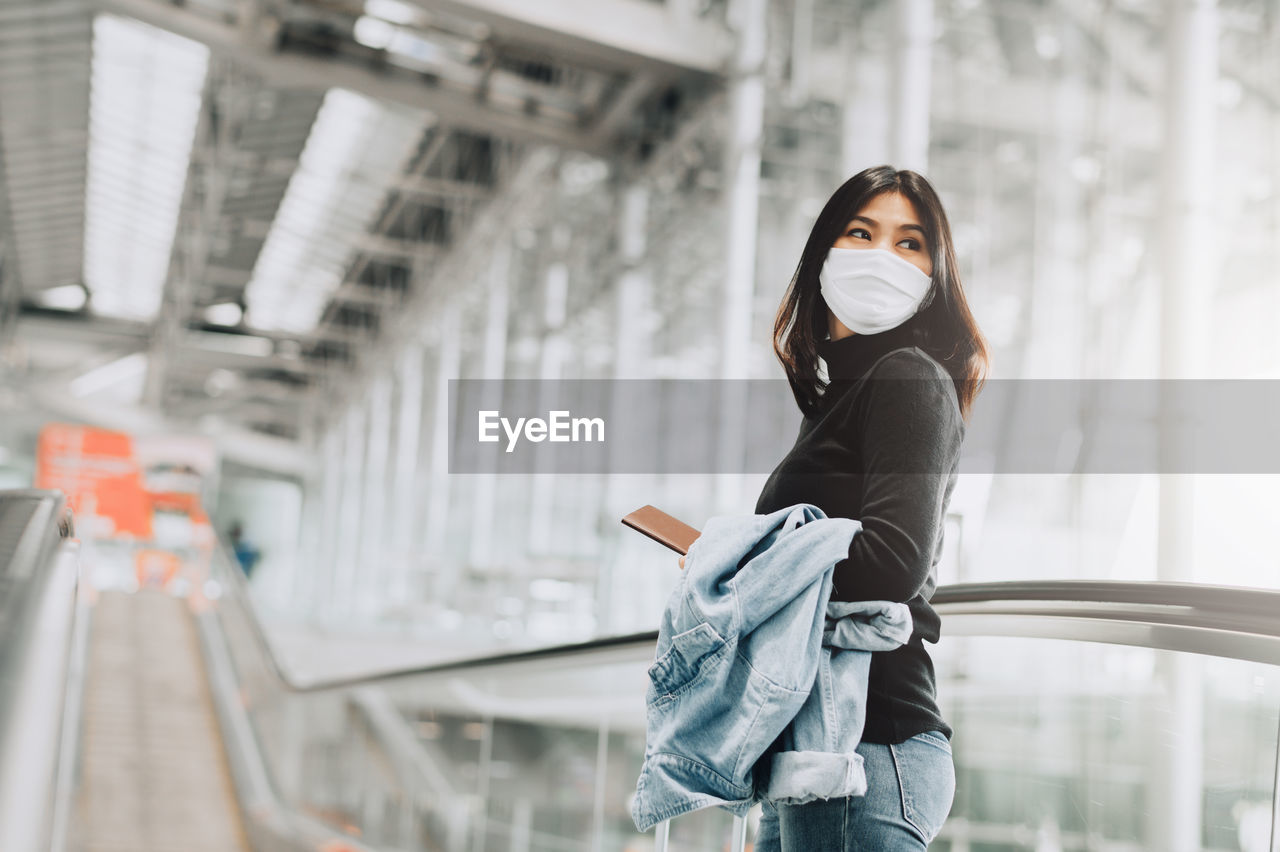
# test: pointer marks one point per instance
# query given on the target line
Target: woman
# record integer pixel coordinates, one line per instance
(877, 295)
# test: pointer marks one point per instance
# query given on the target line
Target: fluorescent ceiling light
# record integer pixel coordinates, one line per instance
(374, 32)
(68, 297)
(123, 374)
(381, 35)
(396, 12)
(227, 313)
(356, 151)
(145, 103)
(407, 44)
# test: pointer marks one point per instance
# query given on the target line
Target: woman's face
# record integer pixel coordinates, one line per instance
(890, 222)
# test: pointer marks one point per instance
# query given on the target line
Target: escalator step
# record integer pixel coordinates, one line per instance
(154, 775)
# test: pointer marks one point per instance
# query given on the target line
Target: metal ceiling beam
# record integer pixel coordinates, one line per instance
(297, 71)
(432, 187)
(50, 53)
(327, 332)
(254, 449)
(250, 228)
(374, 244)
(225, 276)
(631, 35)
(418, 185)
(378, 245)
(440, 135)
(81, 328)
(623, 106)
(193, 354)
(211, 349)
(48, 28)
(13, 15)
(358, 294)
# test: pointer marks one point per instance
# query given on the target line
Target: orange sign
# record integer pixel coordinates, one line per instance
(97, 470)
(156, 567)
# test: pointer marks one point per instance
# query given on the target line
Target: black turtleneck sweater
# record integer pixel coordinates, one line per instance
(883, 449)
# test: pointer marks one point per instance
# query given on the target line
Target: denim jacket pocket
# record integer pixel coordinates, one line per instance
(686, 660)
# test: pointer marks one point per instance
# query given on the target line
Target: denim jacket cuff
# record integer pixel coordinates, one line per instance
(797, 777)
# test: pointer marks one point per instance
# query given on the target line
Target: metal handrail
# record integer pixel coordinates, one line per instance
(41, 674)
(272, 825)
(1187, 606)
(1224, 621)
(1227, 600)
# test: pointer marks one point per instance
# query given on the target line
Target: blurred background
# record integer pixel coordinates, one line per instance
(245, 245)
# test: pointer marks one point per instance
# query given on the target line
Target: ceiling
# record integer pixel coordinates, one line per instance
(213, 208)
(216, 209)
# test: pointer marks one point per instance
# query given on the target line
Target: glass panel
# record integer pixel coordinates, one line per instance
(1071, 745)
(1059, 746)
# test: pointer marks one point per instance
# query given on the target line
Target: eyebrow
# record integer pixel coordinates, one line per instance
(873, 223)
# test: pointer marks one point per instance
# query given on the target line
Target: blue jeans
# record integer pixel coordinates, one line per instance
(909, 791)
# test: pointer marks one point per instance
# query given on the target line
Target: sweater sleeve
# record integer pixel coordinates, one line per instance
(908, 431)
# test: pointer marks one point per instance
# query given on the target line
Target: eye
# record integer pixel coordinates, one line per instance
(861, 233)
(909, 243)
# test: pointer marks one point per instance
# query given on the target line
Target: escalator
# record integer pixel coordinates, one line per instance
(154, 775)
(1088, 716)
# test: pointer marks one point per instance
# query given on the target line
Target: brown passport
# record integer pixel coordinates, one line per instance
(662, 528)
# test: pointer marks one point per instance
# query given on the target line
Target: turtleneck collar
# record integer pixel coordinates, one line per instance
(851, 357)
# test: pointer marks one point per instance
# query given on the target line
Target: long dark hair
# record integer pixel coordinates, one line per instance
(944, 327)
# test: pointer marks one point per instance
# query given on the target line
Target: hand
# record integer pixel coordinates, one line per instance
(681, 563)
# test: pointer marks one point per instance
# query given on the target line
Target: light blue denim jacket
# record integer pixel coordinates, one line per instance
(817, 758)
(750, 646)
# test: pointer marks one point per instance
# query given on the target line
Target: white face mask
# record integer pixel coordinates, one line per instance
(871, 290)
